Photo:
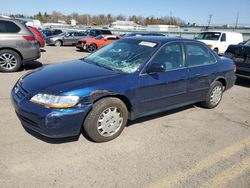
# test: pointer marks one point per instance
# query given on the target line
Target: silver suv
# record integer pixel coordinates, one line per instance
(17, 45)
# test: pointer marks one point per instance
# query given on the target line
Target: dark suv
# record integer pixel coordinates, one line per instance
(96, 32)
(17, 44)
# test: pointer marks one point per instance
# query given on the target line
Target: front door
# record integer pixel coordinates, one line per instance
(162, 90)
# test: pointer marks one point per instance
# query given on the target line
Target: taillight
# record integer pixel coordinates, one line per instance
(29, 38)
(235, 67)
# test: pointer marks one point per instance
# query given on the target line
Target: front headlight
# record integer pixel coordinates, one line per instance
(210, 46)
(53, 101)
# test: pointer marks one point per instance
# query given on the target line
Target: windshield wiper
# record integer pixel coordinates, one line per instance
(104, 66)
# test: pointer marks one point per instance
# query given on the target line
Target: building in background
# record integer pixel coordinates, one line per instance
(125, 25)
(163, 28)
(72, 22)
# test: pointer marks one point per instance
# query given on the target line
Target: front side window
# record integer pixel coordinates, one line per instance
(111, 38)
(124, 56)
(8, 27)
(199, 55)
(171, 56)
(223, 37)
(209, 36)
(99, 37)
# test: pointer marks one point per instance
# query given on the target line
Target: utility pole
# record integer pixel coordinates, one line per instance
(209, 20)
(237, 20)
(87, 20)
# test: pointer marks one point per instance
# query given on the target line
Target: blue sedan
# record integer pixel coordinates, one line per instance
(128, 79)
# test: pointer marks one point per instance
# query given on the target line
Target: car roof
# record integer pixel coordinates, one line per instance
(12, 19)
(160, 39)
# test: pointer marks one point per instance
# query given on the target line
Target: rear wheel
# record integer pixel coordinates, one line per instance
(216, 50)
(106, 120)
(214, 95)
(91, 48)
(10, 61)
(58, 43)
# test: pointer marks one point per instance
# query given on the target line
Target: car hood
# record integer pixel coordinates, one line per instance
(68, 74)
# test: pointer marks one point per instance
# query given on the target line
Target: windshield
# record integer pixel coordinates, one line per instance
(209, 36)
(99, 37)
(123, 56)
(247, 43)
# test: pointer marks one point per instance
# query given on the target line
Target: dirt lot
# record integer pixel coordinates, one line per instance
(187, 147)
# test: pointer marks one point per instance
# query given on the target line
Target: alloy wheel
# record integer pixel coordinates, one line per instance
(216, 94)
(8, 61)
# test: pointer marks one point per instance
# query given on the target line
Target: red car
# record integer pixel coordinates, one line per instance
(92, 44)
(38, 36)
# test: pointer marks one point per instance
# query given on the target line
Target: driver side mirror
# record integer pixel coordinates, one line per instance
(156, 67)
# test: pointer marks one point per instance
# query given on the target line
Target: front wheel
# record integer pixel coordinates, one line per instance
(91, 48)
(106, 120)
(58, 43)
(214, 95)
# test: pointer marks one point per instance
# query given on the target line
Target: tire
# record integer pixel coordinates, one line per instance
(58, 43)
(10, 61)
(97, 124)
(214, 95)
(91, 48)
(216, 50)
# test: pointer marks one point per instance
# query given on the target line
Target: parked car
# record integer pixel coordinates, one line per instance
(49, 32)
(95, 32)
(38, 36)
(220, 40)
(92, 44)
(17, 45)
(128, 79)
(69, 38)
(144, 34)
(240, 54)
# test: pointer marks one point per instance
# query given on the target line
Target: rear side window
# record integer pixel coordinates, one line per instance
(8, 27)
(198, 55)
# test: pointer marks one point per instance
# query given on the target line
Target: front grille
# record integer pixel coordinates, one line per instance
(28, 121)
(20, 92)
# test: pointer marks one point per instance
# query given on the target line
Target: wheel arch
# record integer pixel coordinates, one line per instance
(59, 40)
(7, 48)
(123, 98)
(222, 80)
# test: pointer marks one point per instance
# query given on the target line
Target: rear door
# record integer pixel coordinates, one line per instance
(165, 89)
(201, 70)
(78, 36)
(69, 38)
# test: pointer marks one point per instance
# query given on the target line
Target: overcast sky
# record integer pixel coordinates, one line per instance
(193, 11)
